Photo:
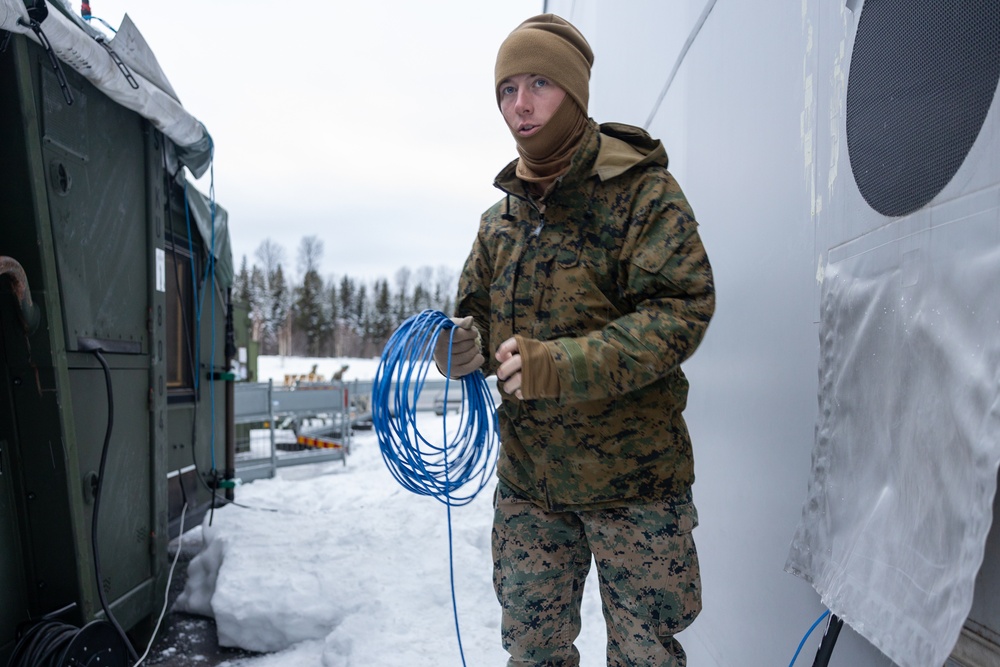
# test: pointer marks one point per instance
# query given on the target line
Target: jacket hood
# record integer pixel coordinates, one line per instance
(623, 147)
(607, 150)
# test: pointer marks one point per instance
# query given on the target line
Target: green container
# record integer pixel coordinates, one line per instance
(91, 212)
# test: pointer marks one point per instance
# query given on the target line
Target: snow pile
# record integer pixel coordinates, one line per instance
(339, 565)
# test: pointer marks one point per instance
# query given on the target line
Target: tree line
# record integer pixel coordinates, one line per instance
(332, 317)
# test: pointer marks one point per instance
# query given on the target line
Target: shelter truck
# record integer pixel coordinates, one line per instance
(112, 266)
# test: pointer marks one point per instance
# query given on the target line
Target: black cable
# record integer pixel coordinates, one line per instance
(829, 641)
(42, 644)
(51, 643)
(35, 645)
(97, 505)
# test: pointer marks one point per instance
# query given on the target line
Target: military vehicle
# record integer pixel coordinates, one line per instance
(115, 336)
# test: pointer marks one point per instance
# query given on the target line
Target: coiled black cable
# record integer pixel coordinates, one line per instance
(43, 644)
(51, 643)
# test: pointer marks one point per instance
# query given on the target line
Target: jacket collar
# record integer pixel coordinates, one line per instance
(606, 151)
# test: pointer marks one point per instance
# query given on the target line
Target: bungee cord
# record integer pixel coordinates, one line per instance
(440, 469)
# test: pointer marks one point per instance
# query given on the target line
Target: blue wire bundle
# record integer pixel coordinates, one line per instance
(422, 465)
(418, 464)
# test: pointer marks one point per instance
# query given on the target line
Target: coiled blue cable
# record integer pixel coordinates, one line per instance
(440, 469)
(436, 468)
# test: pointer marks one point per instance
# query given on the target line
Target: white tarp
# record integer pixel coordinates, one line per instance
(77, 49)
(132, 48)
(208, 215)
(908, 438)
(907, 444)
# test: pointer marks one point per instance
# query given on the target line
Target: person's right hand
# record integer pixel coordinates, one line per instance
(466, 355)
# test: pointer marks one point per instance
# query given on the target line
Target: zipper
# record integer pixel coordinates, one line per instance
(541, 223)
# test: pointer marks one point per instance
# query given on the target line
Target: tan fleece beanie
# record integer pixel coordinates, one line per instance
(552, 47)
(549, 46)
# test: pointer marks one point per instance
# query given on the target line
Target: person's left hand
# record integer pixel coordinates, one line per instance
(509, 372)
(463, 346)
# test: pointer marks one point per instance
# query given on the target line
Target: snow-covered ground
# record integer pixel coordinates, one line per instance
(337, 565)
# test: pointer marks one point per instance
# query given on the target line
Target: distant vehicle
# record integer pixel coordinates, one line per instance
(362, 422)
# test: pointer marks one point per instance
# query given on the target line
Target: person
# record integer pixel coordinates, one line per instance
(590, 285)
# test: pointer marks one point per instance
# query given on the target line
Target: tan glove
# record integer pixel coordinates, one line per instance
(527, 370)
(539, 376)
(466, 345)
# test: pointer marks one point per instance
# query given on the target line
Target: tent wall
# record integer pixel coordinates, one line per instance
(754, 122)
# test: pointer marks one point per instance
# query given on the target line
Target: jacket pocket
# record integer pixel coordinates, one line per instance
(686, 515)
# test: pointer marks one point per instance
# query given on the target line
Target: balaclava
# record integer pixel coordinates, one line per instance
(549, 46)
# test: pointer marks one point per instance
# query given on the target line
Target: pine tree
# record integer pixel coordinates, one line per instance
(258, 299)
(422, 290)
(241, 283)
(402, 294)
(361, 320)
(308, 318)
(332, 310)
(243, 292)
(421, 299)
(383, 318)
(278, 319)
(346, 296)
(339, 317)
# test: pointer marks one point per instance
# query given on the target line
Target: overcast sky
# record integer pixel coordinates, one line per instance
(372, 125)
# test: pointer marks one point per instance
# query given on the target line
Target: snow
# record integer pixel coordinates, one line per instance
(338, 565)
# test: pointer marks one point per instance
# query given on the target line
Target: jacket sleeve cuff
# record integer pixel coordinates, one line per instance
(539, 378)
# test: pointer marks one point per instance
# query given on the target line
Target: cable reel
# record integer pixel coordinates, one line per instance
(50, 643)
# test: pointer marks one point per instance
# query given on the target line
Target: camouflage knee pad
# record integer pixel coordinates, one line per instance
(648, 572)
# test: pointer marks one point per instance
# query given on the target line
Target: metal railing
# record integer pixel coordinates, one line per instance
(273, 422)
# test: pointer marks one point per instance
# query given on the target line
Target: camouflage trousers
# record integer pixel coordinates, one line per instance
(648, 575)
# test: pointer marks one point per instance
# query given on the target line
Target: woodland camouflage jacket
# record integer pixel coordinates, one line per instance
(610, 272)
